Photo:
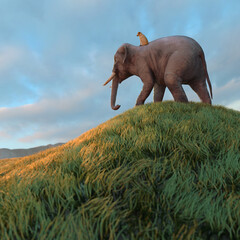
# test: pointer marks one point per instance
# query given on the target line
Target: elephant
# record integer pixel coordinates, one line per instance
(165, 62)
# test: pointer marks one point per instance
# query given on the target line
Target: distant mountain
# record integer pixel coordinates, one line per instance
(13, 153)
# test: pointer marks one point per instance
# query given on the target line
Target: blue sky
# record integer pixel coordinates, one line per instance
(55, 55)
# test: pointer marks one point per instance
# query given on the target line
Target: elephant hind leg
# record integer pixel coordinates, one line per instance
(158, 92)
(200, 87)
(174, 85)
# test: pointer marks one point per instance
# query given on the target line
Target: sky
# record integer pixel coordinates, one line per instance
(55, 56)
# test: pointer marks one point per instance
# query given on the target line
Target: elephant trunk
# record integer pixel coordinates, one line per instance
(114, 94)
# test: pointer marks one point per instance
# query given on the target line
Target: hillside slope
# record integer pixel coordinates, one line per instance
(159, 171)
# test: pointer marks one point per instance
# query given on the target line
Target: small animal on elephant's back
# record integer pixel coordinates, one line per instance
(143, 39)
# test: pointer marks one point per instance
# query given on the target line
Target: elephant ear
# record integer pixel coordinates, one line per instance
(123, 52)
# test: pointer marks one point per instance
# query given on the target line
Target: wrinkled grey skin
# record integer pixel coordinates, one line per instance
(165, 62)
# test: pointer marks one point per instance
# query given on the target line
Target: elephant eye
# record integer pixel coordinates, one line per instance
(115, 69)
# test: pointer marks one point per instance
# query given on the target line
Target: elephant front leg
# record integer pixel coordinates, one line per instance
(158, 92)
(147, 88)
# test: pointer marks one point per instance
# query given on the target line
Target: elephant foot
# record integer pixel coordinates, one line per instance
(136, 105)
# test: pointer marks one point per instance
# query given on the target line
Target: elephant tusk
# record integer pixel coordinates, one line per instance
(111, 77)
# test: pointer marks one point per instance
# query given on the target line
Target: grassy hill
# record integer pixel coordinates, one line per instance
(159, 171)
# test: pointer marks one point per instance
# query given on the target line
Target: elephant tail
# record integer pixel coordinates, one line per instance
(206, 72)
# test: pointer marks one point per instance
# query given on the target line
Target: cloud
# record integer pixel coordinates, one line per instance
(5, 135)
(57, 133)
(55, 56)
(48, 110)
(9, 55)
(234, 105)
(228, 93)
(52, 119)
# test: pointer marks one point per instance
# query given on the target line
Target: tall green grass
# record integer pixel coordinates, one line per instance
(159, 171)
